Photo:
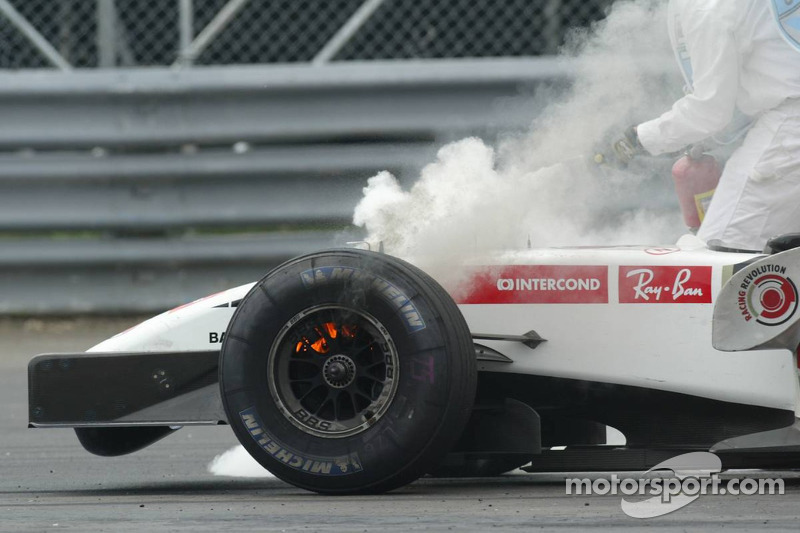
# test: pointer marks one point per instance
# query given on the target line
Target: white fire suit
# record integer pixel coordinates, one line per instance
(739, 60)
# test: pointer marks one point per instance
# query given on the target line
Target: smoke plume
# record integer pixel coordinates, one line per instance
(542, 187)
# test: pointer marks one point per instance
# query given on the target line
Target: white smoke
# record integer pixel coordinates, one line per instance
(237, 462)
(475, 198)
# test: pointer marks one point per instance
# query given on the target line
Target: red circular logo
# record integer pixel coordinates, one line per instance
(772, 299)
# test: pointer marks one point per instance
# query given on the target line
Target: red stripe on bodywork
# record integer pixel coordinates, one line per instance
(537, 284)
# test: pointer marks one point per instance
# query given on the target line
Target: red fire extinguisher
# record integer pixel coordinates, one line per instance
(696, 176)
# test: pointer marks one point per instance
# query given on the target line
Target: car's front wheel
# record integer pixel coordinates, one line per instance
(347, 371)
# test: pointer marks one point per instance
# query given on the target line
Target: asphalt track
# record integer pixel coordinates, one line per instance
(49, 483)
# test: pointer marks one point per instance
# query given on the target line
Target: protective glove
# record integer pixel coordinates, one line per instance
(623, 150)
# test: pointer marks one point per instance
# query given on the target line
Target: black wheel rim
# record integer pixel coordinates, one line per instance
(333, 371)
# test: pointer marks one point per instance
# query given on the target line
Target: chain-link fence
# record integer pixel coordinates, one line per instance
(126, 33)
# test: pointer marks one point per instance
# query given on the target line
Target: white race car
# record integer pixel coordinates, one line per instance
(350, 371)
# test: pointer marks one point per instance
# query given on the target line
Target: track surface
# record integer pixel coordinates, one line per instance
(50, 483)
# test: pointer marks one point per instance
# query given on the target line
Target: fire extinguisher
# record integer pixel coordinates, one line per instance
(696, 176)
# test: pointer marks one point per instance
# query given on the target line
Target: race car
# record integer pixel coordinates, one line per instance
(353, 371)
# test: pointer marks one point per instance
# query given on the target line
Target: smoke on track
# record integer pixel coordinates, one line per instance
(237, 462)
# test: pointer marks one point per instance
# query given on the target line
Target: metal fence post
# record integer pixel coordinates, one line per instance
(553, 27)
(106, 34)
(186, 28)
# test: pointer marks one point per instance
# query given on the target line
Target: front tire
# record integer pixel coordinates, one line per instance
(347, 371)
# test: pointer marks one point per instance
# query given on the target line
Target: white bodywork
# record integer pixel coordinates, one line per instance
(654, 330)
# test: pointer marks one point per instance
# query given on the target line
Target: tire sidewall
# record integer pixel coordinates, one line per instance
(397, 446)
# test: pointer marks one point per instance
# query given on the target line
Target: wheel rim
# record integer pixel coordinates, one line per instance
(333, 371)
